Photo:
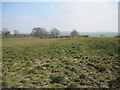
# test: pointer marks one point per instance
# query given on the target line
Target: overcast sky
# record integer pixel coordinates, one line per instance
(65, 16)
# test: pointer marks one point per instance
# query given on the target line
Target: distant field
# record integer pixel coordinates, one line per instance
(85, 62)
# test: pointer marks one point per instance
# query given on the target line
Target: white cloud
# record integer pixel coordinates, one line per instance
(86, 17)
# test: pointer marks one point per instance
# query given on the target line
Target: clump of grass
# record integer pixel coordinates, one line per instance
(93, 59)
(68, 62)
(39, 67)
(73, 85)
(67, 67)
(39, 81)
(57, 79)
(77, 56)
(31, 71)
(100, 67)
(73, 69)
(82, 76)
(90, 64)
(23, 81)
(46, 65)
(60, 65)
(81, 61)
(115, 83)
(52, 86)
(8, 82)
(17, 85)
(4, 84)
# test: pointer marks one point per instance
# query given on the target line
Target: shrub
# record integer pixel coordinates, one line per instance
(57, 79)
(73, 85)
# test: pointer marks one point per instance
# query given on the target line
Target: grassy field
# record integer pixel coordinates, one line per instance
(85, 62)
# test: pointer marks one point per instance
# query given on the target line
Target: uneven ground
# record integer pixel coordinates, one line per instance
(84, 62)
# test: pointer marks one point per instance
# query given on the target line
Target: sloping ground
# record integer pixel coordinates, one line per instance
(84, 62)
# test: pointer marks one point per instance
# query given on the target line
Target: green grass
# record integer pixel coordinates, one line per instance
(85, 62)
(57, 79)
(73, 85)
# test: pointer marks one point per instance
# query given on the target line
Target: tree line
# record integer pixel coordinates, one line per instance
(38, 32)
(41, 32)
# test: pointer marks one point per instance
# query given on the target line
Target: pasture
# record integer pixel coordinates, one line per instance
(82, 62)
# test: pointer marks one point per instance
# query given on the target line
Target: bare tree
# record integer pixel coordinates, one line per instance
(74, 33)
(16, 32)
(54, 32)
(39, 32)
(5, 32)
